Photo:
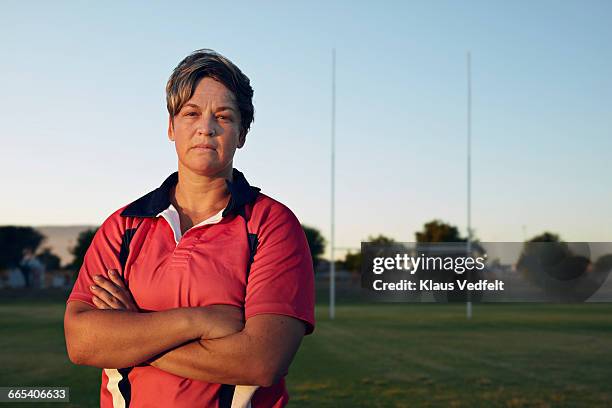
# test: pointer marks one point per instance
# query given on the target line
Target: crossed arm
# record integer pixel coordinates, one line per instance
(210, 344)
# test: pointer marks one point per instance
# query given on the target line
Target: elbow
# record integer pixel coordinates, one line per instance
(77, 354)
(86, 357)
(80, 352)
(268, 374)
(266, 381)
(74, 354)
(75, 343)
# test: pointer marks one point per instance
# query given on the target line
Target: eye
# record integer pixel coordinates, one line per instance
(191, 113)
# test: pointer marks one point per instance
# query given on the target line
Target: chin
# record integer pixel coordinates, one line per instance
(207, 169)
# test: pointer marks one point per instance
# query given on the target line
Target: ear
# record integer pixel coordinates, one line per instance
(170, 129)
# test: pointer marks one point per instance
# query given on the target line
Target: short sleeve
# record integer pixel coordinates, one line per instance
(281, 280)
(102, 254)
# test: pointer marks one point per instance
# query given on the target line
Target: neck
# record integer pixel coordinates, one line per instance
(196, 195)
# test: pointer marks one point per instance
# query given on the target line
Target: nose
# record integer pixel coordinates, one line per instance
(207, 125)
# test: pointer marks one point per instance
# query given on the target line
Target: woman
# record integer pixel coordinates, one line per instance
(202, 282)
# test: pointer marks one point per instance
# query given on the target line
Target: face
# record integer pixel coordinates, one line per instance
(206, 131)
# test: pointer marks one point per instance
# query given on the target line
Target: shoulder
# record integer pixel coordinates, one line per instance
(116, 224)
(266, 211)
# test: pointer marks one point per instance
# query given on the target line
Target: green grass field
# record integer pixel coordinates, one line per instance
(380, 355)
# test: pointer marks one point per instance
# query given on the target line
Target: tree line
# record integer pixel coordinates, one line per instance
(17, 242)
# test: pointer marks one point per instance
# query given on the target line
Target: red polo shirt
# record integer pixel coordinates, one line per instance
(209, 265)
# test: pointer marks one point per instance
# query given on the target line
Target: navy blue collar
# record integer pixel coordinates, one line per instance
(151, 204)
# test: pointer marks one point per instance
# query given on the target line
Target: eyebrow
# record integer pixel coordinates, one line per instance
(222, 108)
(219, 109)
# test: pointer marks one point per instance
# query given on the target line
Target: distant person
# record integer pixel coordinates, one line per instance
(210, 283)
(33, 270)
(24, 267)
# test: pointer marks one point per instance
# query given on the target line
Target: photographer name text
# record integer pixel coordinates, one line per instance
(430, 285)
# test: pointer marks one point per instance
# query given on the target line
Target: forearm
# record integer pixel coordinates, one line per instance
(222, 361)
(258, 355)
(116, 339)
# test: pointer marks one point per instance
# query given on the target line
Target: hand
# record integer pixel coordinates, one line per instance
(215, 321)
(111, 293)
(221, 321)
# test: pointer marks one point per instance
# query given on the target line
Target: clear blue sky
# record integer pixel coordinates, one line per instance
(84, 119)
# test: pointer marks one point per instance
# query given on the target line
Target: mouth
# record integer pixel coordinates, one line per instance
(204, 146)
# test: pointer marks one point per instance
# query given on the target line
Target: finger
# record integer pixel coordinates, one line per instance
(111, 288)
(107, 298)
(127, 299)
(99, 303)
(116, 279)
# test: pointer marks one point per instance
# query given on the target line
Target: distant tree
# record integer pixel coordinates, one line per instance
(352, 262)
(546, 237)
(564, 272)
(15, 242)
(51, 261)
(316, 243)
(380, 239)
(439, 231)
(83, 242)
(551, 253)
(546, 255)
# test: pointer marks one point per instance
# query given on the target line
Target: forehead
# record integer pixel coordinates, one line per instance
(211, 91)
